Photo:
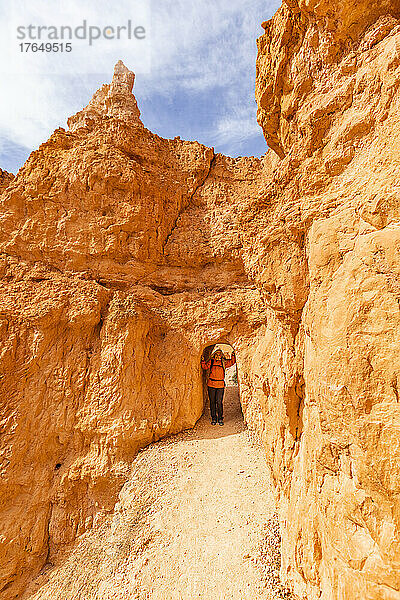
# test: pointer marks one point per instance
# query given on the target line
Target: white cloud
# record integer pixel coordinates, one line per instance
(240, 125)
(28, 109)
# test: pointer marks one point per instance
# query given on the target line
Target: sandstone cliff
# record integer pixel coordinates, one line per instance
(328, 95)
(121, 251)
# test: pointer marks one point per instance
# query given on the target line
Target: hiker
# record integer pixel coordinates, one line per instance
(216, 382)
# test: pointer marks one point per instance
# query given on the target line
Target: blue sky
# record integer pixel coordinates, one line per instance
(195, 72)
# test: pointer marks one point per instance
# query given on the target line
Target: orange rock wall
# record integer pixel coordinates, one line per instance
(328, 96)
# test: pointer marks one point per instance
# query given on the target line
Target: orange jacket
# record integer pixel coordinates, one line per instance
(216, 378)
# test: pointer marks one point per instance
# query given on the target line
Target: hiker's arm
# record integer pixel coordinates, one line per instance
(205, 365)
(231, 361)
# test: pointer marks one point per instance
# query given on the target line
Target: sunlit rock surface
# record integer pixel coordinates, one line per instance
(328, 96)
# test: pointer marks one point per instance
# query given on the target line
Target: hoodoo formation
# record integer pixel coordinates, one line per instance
(120, 250)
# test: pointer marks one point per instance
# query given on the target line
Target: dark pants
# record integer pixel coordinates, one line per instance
(216, 396)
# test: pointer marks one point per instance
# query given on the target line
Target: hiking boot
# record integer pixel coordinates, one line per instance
(220, 423)
(213, 422)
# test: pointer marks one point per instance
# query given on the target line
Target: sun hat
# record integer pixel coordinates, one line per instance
(216, 350)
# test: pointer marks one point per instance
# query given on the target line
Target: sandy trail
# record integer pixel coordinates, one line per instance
(193, 521)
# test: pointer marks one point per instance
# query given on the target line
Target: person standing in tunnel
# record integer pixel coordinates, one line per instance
(216, 383)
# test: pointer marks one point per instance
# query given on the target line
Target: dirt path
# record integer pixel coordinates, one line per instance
(195, 520)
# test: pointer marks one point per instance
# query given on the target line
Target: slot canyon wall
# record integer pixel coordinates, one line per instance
(328, 101)
(122, 255)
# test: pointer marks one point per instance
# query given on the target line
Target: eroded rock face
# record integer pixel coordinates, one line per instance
(328, 96)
